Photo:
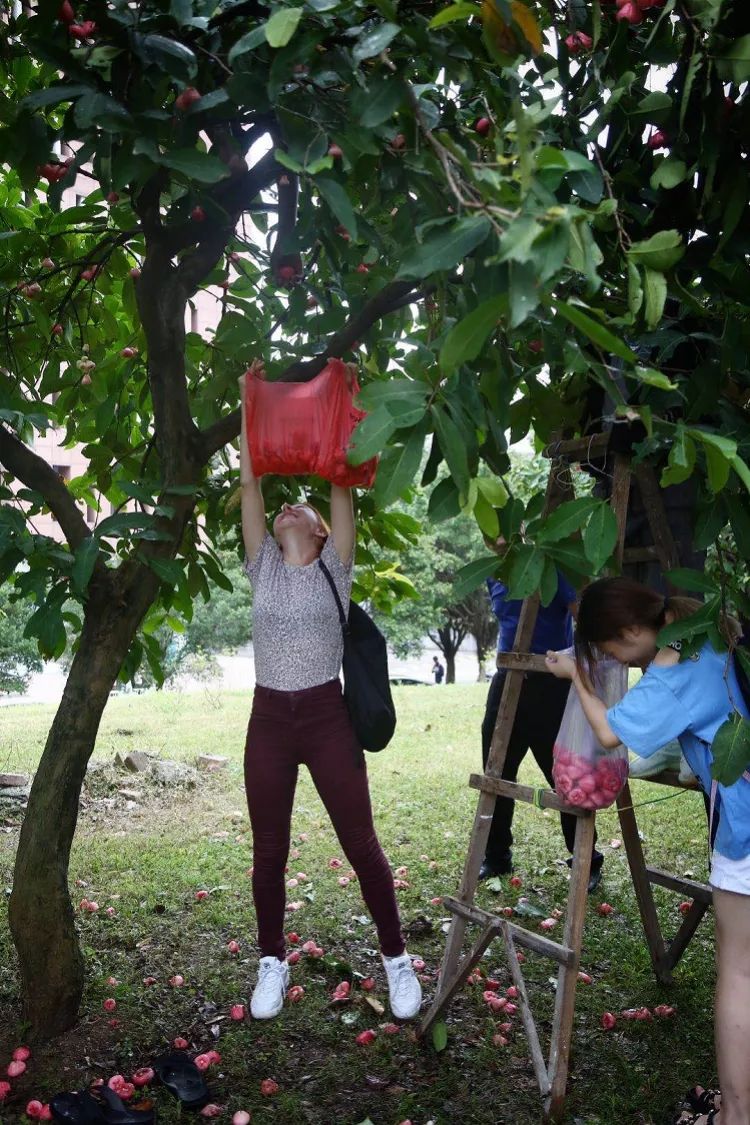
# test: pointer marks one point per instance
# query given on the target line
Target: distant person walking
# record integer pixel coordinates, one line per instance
(538, 717)
(438, 670)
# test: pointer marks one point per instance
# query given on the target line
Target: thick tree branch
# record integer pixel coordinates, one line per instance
(33, 471)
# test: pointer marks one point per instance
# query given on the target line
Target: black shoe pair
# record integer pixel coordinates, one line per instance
(177, 1073)
(595, 876)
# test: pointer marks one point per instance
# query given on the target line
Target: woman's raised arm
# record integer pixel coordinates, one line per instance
(253, 508)
(342, 522)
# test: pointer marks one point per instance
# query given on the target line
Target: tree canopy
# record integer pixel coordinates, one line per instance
(519, 216)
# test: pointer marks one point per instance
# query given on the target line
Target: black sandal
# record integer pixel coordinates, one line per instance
(705, 1101)
(179, 1074)
(83, 1109)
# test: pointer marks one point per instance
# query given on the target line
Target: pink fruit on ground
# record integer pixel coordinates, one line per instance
(365, 1038)
(508, 911)
(268, 1087)
(516, 881)
(180, 1043)
(664, 1011)
(233, 946)
(5, 1089)
(418, 965)
(684, 907)
(335, 862)
(343, 880)
(34, 1109)
(584, 978)
(241, 1117)
(237, 1011)
(499, 1040)
(293, 957)
(109, 1004)
(367, 984)
(177, 981)
(15, 1068)
(512, 992)
(548, 924)
(390, 1028)
(213, 1057)
(308, 947)
(511, 1009)
(492, 985)
(643, 1014)
(495, 1003)
(490, 994)
(437, 901)
(211, 1110)
(203, 1062)
(142, 1076)
(608, 1021)
(22, 1054)
(605, 909)
(200, 895)
(46, 1114)
(292, 938)
(295, 993)
(148, 981)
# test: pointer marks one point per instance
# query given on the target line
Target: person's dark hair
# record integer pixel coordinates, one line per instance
(611, 605)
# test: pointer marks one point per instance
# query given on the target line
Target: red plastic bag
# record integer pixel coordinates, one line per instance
(300, 429)
(585, 774)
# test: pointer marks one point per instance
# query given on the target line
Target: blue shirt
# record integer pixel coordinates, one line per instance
(554, 624)
(689, 701)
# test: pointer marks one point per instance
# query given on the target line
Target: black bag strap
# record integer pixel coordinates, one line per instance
(342, 616)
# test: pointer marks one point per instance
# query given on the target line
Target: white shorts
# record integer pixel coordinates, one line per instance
(730, 874)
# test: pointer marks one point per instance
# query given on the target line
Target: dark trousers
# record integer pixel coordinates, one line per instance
(311, 727)
(540, 711)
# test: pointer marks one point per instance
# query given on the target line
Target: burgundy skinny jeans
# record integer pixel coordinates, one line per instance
(311, 727)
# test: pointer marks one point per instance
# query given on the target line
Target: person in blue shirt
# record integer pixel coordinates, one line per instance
(688, 700)
(538, 717)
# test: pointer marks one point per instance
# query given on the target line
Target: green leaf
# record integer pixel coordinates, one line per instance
(566, 519)
(122, 522)
(595, 331)
(718, 467)
(600, 535)
(371, 435)
(447, 249)
(384, 97)
(523, 291)
(486, 516)
(742, 471)
(731, 750)
(660, 252)
(169, 570)
(371, 43)
(733, 64)
(655, 285)
(693, 626)
(466, 339)
(53, 95)
(526, 571)
(85, 559)
(440, 1036)
(445, 502)
(454, 12)
(493, 488)
(635, 290)
(167, 54)
(282, 25)
(247, 43)
(654, 378)
(669, 173)
(402, 467)
(452, 447)
(337, 199)
(472, 575)
(696, 580)
(201, 166)
(549, 583)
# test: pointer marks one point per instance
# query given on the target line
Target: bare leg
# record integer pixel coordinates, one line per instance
(732, 1006)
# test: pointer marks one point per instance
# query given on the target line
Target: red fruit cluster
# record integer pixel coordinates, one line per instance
(482, 126)
(578, 41)
(588, 784)
(631, 11)
(53, 172)
(81, 31)
(657, 140)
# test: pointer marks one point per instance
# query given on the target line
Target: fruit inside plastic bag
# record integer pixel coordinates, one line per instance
(585, 774)
(303, 429)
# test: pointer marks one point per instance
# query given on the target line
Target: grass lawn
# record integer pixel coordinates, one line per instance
(148, 860)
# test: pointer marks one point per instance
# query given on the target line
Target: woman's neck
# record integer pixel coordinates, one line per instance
(299, 554)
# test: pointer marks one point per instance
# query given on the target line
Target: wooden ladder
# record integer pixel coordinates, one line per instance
(552, 1072)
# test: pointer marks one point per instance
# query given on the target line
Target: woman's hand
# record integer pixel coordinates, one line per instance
(561, 665)
(257, 368)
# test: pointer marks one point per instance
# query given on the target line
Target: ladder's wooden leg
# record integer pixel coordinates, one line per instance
(567, 977)
(532, 1035)
(684, 935)
(450, 984)
(642, 887)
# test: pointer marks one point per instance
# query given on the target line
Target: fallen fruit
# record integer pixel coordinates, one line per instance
(584, 978)
(109, 1004)
(295, 993)
(233, 946)
(548, 924)
(516, 881)
(177, 981)
(499, 1040)
(211, 1110)
(684, 907)
(148, 981)
(203, 1062)
(241, 1117)
(390, 1028)
(365, 1038)
(605, 909)
(268, 1087)
(143, 1076)
(608, 1021)
(367, 984)
(5, 1089)
(21, 1054)
(237, 1011)
(180, 1044)
(335, 862)
(15, 1068)
(293, 957)
(664, 1011)
(511, 992)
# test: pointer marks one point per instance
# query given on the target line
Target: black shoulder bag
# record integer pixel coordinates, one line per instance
(367, 689)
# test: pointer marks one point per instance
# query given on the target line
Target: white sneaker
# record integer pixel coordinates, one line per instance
(268, 996)
(404, 990)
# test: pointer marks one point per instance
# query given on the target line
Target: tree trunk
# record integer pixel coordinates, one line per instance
(450, 667)
(40, 911)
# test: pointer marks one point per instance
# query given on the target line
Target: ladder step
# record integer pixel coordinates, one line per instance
(688, 887)
(548, 799)
(538, 944)
(521, 661)
(578, 449)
